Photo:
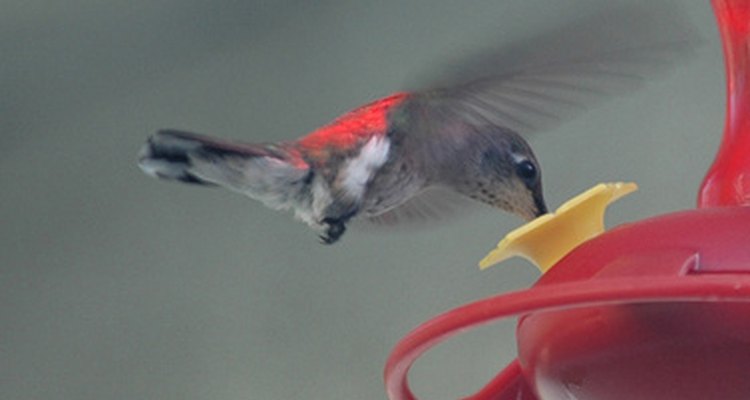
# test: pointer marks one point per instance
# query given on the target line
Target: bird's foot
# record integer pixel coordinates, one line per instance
(335, 226)
(334, 229)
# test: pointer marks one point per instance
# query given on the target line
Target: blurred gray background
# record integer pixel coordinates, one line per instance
(117, 286)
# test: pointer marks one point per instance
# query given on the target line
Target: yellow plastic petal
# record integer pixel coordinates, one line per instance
(545, 240)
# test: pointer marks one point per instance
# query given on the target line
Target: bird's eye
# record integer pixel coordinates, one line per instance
(526, 170)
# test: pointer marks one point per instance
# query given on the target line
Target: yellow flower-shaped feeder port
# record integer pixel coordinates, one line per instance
(545, 240)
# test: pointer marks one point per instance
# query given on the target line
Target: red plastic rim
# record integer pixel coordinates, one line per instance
(692, 288)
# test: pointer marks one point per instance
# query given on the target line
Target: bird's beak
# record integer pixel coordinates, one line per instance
(541, 207)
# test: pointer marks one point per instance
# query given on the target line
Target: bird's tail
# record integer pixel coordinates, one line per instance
(187, 157)
(254, 169)
(169, 155)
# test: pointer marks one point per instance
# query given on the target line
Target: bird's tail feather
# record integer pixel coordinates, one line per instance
(166, 156)
(174, 155)
(270, 173)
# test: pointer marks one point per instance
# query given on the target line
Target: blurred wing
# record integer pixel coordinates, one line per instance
(432, 206)
(538, 82)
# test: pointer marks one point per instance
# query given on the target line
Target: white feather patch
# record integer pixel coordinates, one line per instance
(321, 199)
(359, 170)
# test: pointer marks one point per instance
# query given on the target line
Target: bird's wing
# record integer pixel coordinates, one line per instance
(535, 83)
(433, 206)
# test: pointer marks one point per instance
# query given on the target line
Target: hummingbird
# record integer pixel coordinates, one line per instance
(393, 159)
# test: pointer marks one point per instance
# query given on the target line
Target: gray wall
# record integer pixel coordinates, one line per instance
(116, 286)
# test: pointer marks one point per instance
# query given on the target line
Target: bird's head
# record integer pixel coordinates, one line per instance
(500, 169)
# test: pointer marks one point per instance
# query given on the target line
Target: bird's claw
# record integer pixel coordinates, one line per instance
(326, 239)
(334, 229)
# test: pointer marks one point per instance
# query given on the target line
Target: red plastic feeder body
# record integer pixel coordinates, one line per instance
(648, 348)
(653, 310)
